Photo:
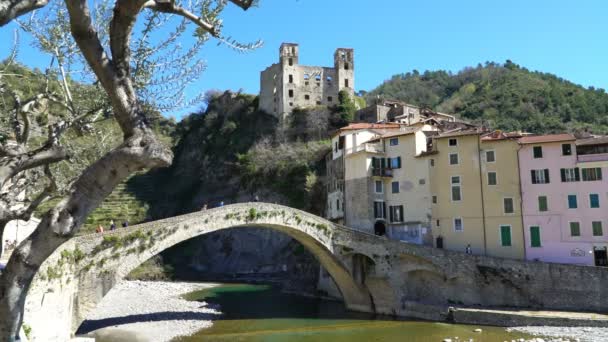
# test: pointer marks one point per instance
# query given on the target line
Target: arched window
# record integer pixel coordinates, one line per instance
(306, 77)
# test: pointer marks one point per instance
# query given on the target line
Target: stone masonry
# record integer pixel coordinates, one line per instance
(372, 274)
(287, 85)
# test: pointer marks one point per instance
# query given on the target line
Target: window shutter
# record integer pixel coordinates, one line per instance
(547, 176)
(383, 163)
(577, 174)
(384, 209)
(402, 214)
(563, 174)
(599, 173)
(375, 210)
(533, 174)
(392, 213)
(398, 162)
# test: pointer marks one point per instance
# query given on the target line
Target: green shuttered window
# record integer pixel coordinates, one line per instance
(505, 236)
(535, 236)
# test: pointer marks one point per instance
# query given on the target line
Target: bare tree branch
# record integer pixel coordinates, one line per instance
(171, 7)
(11, 9)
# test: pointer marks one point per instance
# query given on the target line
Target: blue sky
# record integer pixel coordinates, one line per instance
(567, 38)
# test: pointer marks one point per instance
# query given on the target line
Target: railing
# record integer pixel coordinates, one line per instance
(382, 172)
(372, 148)
(586, 158)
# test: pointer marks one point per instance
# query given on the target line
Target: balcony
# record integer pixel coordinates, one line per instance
(371, 148)
(589, 158)
(382, 172)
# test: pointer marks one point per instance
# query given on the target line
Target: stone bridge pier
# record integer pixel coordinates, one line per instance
(371, 274)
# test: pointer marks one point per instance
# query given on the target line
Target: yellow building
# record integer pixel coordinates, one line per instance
(475, 193)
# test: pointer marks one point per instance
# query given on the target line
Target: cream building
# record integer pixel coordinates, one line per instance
(377, 183)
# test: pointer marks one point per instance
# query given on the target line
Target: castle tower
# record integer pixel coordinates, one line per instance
(344, 65)
(288, 54)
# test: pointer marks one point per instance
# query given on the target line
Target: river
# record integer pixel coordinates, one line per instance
(263, 313)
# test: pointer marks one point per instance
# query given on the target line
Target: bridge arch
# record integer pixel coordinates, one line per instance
(86, 268)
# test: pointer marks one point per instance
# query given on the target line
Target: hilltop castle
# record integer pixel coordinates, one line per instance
(287, 85)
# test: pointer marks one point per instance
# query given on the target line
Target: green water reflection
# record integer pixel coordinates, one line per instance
(261, 313)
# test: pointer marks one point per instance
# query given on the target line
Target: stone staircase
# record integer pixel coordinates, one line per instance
(129, 201)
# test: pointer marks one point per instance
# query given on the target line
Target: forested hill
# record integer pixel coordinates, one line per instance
(504, 96)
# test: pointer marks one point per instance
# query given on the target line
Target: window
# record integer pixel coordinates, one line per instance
(453, 142)
(396, 213)
(306, 77)
(394, 141)
(540, 176)
(535, 236)
(318, 103)
(394, 163)
(346, 66)
(542, 203)
(330, 99)
(508, 206)
(290, 78)
(570, 175)
(318, 78)
(337, 204)
(490, 156)
(538, 151)
(572, 202)
(379, 187)
(592, 174)
(290, 92)
(434, 199)
(336, 147)
(566, 149)
(453, 158)
(594, 200)
(379, 209)
(329, 79)
(432, 162)
(306, 97)
(290, 61)
(597, 228)
(575, 229)
(491, 178)
(395, 187)
(346, 84)
(458, 224)
(438, 223)
(505, 236)
(456, 194)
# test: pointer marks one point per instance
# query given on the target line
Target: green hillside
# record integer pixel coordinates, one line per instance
(504, 96)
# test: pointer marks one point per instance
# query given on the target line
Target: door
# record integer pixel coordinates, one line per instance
(601, 257)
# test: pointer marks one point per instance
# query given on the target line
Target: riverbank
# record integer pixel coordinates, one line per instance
(149, 311)
(155, 311)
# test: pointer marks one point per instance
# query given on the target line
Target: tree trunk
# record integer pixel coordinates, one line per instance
(63, 221)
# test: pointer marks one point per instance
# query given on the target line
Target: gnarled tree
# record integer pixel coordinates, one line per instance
(140, 148)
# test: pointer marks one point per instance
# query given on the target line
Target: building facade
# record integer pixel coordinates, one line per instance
(287, 85)
(476, 193)
(565, 198)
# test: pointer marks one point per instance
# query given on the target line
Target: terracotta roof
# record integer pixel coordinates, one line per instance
(459, 133)
(539, 139)
(500, 135)
(394, 134)
(592, 141)
(365, 125)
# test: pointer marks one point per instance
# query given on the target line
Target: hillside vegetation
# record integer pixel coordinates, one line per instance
(504, 96)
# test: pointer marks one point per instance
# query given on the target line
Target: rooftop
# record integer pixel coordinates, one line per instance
(549, 138)
(364, 125)
(395, 134)
(592, 141)
(460, 133)
(500, 135)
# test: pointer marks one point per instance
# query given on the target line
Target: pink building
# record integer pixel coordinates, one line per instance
(565, 198)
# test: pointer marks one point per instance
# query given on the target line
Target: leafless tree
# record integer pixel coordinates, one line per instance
(140, 148)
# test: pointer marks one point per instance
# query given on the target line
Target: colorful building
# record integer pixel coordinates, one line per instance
(565, 198)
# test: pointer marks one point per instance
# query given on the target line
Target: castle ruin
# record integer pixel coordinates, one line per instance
(288, 85)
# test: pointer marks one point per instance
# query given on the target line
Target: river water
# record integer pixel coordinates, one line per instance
(263, 313)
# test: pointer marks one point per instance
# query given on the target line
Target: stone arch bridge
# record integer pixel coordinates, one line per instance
(372, 274)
